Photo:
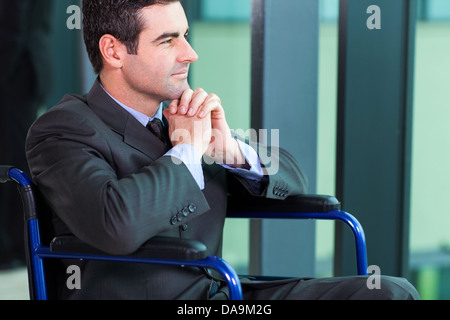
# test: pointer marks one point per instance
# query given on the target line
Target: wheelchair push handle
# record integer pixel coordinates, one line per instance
(10, 173)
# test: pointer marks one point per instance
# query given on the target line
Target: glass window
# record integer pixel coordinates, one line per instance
(226, 10)
(434, 10)
(221, 35)
(429, 235)
(327, 114)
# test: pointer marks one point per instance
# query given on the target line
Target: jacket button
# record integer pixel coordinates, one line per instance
(192, 208)
(276, 190)
(173, 221)
(184, 227)
(185, 212)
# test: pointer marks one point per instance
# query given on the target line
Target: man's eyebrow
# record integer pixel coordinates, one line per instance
(168, 35)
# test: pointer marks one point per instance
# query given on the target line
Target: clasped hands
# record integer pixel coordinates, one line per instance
(198, 119)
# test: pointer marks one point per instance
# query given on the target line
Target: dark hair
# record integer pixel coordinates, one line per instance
(119, 18)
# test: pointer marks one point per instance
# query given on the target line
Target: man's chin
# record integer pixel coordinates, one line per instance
(178, 92)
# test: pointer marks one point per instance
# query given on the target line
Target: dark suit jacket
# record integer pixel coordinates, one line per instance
(105, 178)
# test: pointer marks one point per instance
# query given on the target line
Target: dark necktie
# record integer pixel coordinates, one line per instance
(157, 128)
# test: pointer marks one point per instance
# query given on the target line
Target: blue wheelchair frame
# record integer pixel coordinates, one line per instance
(38, 251)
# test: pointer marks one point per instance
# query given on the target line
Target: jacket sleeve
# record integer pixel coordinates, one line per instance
(283, 176)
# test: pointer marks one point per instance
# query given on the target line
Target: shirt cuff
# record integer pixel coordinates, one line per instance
(255, 172)
(184, 153)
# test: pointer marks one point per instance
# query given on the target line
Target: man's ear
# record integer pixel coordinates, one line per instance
(112, 51)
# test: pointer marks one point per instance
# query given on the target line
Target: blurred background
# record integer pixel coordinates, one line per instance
(221, 33)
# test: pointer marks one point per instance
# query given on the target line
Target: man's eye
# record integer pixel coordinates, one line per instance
(168, 41)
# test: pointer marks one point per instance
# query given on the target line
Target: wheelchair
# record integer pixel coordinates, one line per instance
(171, 251)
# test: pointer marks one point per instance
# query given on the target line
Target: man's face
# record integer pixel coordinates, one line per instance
(159, 71)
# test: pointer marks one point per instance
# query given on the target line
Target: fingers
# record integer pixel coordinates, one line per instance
(181, 105)
(185, 101)
(198, 98)
(212, 105)
(196, 103)
(191, 101)
(173, 106)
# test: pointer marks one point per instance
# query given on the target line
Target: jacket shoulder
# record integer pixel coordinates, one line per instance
(71, 103)
(72, 109)
(68, 118)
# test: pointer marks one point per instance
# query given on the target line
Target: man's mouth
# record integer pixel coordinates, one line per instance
(182, 74)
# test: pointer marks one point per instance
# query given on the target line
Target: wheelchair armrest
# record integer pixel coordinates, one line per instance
(298, 204)
(156, 248)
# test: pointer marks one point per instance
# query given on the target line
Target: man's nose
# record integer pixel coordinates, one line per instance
(188, 54)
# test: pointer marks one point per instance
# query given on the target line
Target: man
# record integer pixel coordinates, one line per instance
(114, 184)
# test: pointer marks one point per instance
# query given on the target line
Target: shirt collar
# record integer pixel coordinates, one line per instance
(139, 116)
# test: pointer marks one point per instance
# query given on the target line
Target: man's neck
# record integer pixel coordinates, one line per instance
(130, 98)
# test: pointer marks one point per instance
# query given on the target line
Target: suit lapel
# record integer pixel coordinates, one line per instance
(120, 121)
